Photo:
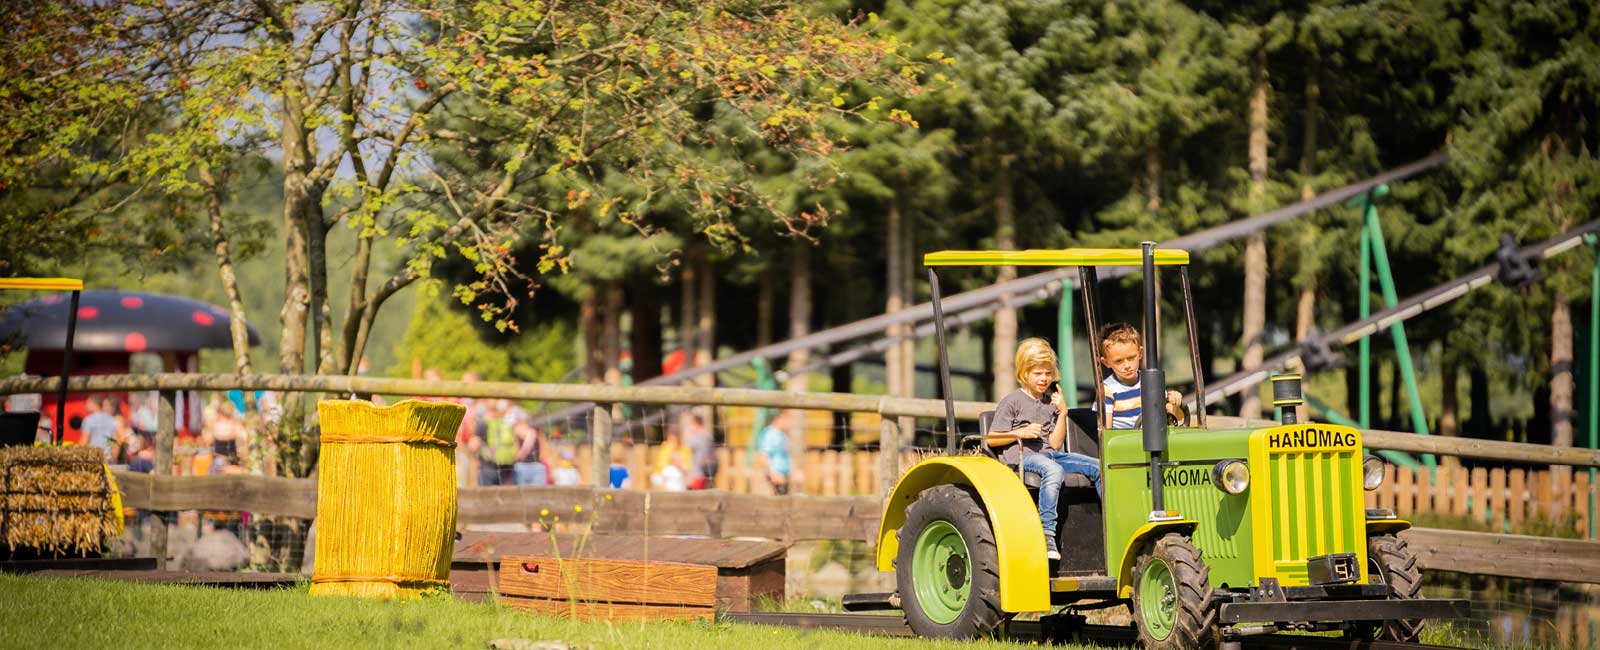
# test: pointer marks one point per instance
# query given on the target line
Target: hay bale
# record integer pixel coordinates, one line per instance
(57, 500)
(386, 498)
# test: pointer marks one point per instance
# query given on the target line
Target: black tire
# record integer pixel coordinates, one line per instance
(1194, 619)
(1391, 562)
(981, 616)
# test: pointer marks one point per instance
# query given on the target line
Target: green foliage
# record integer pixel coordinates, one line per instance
(445, 339)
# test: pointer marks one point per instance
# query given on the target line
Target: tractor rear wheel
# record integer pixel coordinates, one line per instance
(947, 568)
(1391, 562)
(1172, 596)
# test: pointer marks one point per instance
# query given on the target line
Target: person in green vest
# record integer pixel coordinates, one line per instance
(496, 443)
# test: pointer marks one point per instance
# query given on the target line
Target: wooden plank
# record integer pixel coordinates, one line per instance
(607, 611)
(1405, 491)
(1519, 556)
(609, 581)
(267, 495)
(1497, 497)
(1460, 491)
(1517, 498)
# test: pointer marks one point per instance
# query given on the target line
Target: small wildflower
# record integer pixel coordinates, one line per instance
(577, 508)
(608, 497)
(544, 512)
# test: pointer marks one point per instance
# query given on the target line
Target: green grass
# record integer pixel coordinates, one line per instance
(82, 613)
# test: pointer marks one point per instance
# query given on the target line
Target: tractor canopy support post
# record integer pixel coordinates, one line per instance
(1153, 384)
(58, 429)
(1594, 364)
(944, 365)
(1064, 356)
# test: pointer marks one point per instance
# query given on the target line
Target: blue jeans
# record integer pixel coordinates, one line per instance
(1052, 467)
(530, 473)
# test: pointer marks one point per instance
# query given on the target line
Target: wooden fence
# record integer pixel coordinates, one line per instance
(1524, 497)
(718, 514)
(1515, 499)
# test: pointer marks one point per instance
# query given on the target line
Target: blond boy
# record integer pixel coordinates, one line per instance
(1039, 426)
(1121, 351)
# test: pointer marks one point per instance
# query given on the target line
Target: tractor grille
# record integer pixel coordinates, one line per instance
(1314, 509)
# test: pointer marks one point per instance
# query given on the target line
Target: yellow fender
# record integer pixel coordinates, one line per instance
(1150, 530)
(1018, 535)
(1386, 526)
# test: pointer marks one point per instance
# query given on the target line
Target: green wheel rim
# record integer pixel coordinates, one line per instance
(1158, 599)
(941, 570)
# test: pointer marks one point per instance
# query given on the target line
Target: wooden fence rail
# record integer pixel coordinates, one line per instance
(891, 407)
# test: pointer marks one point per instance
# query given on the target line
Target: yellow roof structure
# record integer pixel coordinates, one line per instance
(42, 284)
(1061, 257)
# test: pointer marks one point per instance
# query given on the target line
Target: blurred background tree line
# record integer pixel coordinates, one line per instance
(592, 191)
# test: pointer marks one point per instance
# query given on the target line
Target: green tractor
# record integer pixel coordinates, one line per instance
(1206, 535)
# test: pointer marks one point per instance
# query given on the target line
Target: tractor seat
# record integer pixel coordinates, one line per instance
(1029, 479)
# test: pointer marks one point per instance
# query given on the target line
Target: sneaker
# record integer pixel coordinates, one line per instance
(1050, 551)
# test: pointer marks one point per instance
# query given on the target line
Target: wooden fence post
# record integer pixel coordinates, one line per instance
(1459, 490)
(166, 432)
(600, 446)
(889, 457)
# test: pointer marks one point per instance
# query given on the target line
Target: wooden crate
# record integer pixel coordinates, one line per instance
(592, 589)
(746, 571)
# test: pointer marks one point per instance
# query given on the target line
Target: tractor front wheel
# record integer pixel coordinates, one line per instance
(947, 568)
(1172, 596)
(1391, 562)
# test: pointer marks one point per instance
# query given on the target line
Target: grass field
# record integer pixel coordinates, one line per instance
(80, 613)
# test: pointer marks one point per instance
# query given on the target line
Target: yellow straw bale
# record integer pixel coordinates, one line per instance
(386, 498)
(57, 500)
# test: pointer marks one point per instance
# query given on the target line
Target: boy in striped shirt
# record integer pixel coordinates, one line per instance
(1121, 351)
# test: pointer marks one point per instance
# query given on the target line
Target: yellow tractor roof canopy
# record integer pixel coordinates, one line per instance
(42, 284)
(1059, 257)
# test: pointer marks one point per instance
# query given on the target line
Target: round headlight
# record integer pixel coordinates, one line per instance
(1231, 476)
(1371, 472)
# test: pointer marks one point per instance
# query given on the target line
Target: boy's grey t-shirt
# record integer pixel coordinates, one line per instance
(1018, 409)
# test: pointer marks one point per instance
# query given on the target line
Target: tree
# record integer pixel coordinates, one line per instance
(359, 99)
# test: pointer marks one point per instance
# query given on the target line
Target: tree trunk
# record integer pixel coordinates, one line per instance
(1005, 318)
(297, 291)
(589, 323)
(238, 328)
(611, 333)
(893, 356)
(688, 314)
(1561, 385)
(1478, 408)
(1152, 175)
(645, 338)
(705, 347)
(799, 325)
(764, 291)
(1449, 406)
(321, 311)
(1255, 252)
